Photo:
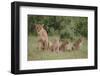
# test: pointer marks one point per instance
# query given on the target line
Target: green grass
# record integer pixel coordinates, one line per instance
(35, 54)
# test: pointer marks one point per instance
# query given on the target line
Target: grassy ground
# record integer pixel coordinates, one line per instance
(35, 54)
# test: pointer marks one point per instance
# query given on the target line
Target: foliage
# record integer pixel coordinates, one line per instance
(64, 26)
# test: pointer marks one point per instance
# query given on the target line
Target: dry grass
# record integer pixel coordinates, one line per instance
(35, 54)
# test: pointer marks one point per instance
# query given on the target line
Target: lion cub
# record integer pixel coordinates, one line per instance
(42, 36)
(77, 44)
(54, 46)
(64, 45)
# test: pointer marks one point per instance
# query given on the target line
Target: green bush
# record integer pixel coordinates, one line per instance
(64, 26)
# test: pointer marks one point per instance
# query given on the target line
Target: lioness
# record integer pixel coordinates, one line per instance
(42, 36)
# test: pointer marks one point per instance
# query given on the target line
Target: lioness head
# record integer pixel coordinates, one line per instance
(38, 27)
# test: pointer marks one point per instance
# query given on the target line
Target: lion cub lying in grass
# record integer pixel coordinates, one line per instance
(77, 45)
(64, 45)
(58, 45)
(54, 45)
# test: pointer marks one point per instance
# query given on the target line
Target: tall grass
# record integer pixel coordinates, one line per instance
(35, 54)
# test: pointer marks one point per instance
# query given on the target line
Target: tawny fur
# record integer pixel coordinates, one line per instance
(55, 46)
(77, 44)
(64, 46)
(42, 36)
